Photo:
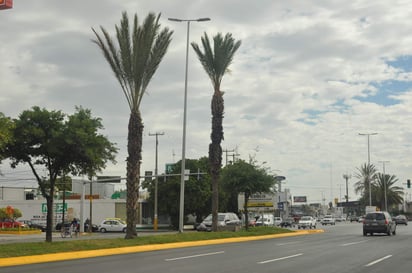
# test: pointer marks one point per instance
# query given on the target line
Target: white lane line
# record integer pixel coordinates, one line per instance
(288, 243)
(354, 243)
(194, 256)
(279, 259)
(378, 260)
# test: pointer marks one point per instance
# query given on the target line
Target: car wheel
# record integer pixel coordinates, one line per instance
(124, 230)
(102, 230)
(365, 233)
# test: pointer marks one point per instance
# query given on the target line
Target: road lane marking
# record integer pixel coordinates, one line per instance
(354, 243)
(279, 259)
(379, 260)
(194, 256)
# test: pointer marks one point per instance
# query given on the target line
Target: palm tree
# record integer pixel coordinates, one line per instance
(134, 61)
(366, 175)
(216, 64)
(393, 193)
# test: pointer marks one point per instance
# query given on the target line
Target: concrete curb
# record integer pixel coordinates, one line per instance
(13, 261)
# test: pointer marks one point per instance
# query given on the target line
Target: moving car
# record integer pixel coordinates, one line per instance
(112, 226)
(401, 220)
(307, 222)
(287, 222)
(223, 219)
(328, 220)
(378, 222)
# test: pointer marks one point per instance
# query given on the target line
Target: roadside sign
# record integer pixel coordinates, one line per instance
(58, 207)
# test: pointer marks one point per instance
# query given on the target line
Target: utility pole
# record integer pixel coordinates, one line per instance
(226, 152)
(156, 181)
(384, 183)
(347, 177)
(369, 162)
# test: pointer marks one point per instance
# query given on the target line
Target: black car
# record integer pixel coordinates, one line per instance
(379, 222)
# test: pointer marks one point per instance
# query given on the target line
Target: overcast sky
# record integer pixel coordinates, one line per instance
(307, 79)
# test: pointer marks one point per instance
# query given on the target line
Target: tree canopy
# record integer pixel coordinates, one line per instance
(246, 178)
(59, 144)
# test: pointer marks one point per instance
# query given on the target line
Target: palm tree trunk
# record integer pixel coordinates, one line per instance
(134, 148)
(215, 152)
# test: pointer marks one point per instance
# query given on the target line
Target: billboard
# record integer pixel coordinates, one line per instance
(299, 199)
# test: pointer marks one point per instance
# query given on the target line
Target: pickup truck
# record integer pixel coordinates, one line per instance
(328, 220)
(307, 222)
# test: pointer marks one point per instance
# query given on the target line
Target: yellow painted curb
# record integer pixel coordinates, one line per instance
(21, 232)
(134, 249)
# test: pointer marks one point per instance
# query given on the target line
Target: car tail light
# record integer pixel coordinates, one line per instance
(386, 221)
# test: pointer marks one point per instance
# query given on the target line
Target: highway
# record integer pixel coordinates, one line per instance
(341, 248)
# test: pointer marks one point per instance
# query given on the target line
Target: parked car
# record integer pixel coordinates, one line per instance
(112, 226)
(401, 220)
(307, 222)
(31, 224)
(223, 219)
(278, 220)
(287, 222)
(353, 218)
(328, 220)
(378, 222)
(10, 223)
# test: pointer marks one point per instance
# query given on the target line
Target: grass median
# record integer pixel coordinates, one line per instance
(37, 248)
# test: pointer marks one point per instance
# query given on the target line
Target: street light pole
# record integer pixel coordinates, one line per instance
(384, 184)
(155, 220)
(182, 174)
(369, 162)
(347, 177)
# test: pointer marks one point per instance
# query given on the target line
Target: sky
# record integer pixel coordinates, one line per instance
(308, 79)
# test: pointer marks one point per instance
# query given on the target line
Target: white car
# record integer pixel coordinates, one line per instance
(112, 225)
(307, 222)
(328, 220)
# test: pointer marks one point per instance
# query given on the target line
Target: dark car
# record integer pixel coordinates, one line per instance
(401, 220)
(32, 224)
(379, 222)
(287, 222)
(95, 228)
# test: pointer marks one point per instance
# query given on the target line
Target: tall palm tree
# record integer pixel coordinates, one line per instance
(366, 175)
(134, 61)
(385, 183)
(215, 62)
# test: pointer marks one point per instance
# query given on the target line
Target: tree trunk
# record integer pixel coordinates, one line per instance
(49, 217)
(246, 211)
(134, 148)
(215, 152)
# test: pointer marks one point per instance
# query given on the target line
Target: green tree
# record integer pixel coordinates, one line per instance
(246, 178)
(197, 191)
(386, 183)
(366, 175)
(215, 62)
(134, 60)
(6, 126)
(46, 140)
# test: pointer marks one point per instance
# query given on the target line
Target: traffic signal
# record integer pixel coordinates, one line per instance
(408, 183)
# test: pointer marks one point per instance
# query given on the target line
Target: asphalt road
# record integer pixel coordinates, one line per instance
(341, 248)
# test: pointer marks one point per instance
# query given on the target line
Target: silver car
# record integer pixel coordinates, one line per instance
(112, 225)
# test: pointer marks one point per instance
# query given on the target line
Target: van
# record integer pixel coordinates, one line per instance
(268, 220)
(223, 219)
